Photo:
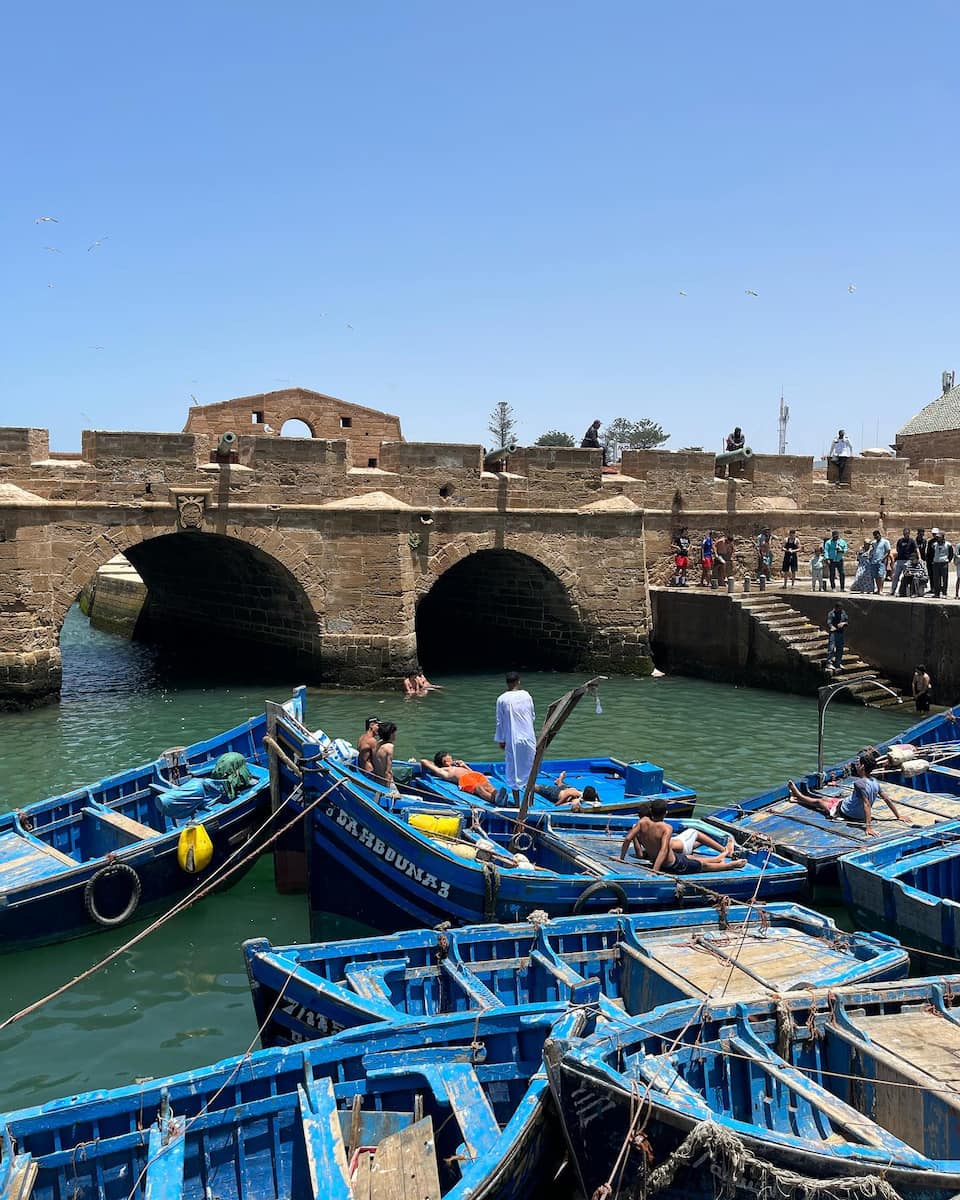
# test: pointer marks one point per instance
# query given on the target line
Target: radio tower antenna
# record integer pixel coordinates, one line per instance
(784, 418)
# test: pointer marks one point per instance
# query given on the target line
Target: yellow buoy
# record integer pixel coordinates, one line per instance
(430, 823)
(194, 849)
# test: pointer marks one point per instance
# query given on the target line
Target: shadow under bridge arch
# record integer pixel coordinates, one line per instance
(226, 607)
(499, 609)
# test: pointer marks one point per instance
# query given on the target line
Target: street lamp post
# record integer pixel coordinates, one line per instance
(826, 694)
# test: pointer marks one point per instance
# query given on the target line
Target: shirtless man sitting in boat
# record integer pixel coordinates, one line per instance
(858, 806)
(367, 745)
(455, 770)
(672, 853)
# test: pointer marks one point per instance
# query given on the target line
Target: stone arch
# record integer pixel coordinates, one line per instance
(247, 596)
(491, 607)
(294, 426)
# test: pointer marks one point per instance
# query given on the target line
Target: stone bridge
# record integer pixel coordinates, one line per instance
(348, 574)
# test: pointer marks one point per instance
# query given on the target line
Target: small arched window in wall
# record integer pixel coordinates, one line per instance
(296, 428)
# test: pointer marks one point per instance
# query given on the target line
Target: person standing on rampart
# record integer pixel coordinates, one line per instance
(841, 452)
(834, 548)
(905, 549)
(939, 558)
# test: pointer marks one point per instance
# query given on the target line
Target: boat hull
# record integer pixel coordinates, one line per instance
(366, 864)
(57, 910)
(598, 1121)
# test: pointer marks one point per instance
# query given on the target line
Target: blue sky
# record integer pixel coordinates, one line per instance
(502, 200)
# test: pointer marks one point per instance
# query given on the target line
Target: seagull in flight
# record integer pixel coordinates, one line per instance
(681, 293)
(751, 292)
(40, 220)
(194, 399)
(98, 242)
(51, 285)
(96, 347)
(350, 327)
(53, 249)
(851, 288)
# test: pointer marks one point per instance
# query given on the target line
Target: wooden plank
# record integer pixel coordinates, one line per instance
(19, 1178)
(326, 1155)
(405, 1165)
(165, 1158)
(127, 824)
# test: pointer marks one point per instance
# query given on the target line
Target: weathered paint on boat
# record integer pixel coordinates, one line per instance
(620, 786)
(771, 1097)
(277, 1124)
(911, 885)
(930, 799)
(369, 861)
(111, 846)
(635, 962)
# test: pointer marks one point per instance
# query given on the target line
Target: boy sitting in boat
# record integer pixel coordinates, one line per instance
(673, 853)
(455, 770)
(858, 806)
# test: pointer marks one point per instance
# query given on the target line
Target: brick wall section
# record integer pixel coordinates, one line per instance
(919, 447)
(323, 414)
(20, 447)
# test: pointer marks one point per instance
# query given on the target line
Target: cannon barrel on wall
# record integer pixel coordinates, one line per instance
(727, 457)
(500, 453)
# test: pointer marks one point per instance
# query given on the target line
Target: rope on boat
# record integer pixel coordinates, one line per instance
(732, 1163)
(205, 1108)
(224, 871)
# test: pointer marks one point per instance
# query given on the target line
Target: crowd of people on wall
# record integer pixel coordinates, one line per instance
(915, 565)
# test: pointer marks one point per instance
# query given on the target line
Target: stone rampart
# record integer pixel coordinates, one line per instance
(303, 548)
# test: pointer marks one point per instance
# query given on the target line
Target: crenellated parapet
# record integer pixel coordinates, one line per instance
(306, 548)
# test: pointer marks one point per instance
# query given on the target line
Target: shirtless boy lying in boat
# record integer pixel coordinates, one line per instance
(455, 770)
(561, 793)
(673, 853)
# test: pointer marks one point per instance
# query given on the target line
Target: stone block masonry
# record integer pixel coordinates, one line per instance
(347, 572)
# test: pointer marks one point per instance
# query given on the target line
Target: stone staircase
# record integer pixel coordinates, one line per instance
(800, 635)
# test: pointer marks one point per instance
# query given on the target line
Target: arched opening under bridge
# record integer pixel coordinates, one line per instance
(499, 609)
(226, 608)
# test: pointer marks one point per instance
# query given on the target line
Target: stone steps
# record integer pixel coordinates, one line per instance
(810, 643)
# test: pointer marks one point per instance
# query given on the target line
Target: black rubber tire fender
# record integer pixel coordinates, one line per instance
(89, 894)
(595, 888)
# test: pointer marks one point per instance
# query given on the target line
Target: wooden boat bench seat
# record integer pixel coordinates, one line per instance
(369, 979)
(137, 831)
(27, 859)
(453, 1080)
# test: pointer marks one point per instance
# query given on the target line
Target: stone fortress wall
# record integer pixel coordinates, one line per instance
(299, 546)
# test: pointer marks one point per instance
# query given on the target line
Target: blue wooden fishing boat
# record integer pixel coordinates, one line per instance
(853, 1092)
(99, 856)
(620, 786)
(618, 962)
(457, 1107)
(911, 885)
(920, 769)
(394, 862)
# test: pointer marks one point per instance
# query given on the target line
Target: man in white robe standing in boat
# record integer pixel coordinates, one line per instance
(515, 734)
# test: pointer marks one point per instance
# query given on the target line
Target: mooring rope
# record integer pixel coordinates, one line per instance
(224, 871)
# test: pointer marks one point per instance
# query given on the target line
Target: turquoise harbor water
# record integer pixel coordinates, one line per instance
(179, 999)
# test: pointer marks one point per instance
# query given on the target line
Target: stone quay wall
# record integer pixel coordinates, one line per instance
(325, 560)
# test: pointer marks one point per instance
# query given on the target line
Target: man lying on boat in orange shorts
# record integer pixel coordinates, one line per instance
(445, 766)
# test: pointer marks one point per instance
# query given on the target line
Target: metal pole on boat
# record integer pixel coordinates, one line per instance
(825, 695)
(557, 713)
